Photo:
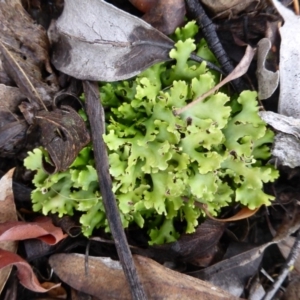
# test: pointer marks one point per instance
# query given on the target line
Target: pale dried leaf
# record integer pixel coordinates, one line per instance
(7, 213)
(267, 80)
(286, 146)
(93, 40)
(105, 279)
(289, 65)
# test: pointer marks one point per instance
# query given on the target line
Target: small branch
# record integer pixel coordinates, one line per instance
(209, 64)
(95, 114)
(285, 270)
(239, 71)
(208, 29)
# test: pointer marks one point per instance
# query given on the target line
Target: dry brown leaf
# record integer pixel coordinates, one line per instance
(58, 292)
(7, 213)
(12, 133)
(199, 247)
(64, 134)
(233, 273)
(143, 5)
(244, 213)
(27, 42)
(293, 290)
(42, 229)
(166, 15)
(105, 279)
(13, 66)
(24, 272)
(225, 8)
(10, 98)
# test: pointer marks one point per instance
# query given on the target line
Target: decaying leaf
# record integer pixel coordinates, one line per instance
(282, 123)
(225, 8)
(64, 134)
(199, 247)
(4, 78)
(7, 213)
(166, 15)
(28, 44)
(105, 279)
(293, 290)
(42, 228)
(286, 145)
(24, 272)
(242, 214)
(289, 65)
(267, 80)
(232, 274)
(93, 40)
(25, 59)
(143, 5)
(11, 231)
(10, 98)
(58, 292)
(12, 133)
(256, 290)
(13, 66)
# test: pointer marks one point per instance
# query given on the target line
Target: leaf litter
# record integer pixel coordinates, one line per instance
(10, 234)
(23, 86)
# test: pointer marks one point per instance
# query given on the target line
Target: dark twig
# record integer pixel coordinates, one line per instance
(290, 261)
(96, 118)
(197, 12)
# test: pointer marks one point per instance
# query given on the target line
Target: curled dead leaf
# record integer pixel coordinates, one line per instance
(64, 134)
(267, 80)
(42, 229)
(244, 213)
(8, 213)
(24, 271)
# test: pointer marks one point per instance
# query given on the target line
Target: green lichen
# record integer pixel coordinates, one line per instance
(162, 165)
